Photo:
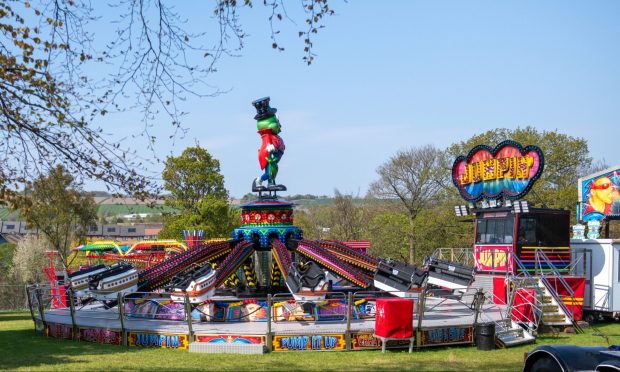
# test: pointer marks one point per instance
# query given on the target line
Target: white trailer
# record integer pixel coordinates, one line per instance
(599, 261)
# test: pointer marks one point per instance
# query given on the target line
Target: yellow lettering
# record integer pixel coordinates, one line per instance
(490, 169)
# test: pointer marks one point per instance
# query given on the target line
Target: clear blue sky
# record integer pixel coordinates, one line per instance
(394, 74)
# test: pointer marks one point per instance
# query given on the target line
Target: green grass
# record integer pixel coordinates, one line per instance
(23, 349)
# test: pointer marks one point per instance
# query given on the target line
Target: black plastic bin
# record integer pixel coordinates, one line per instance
(484, 334)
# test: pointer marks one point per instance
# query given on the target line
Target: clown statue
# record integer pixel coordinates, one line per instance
(272, 146)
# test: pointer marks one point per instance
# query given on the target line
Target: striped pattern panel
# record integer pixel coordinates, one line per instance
(320, 255)
(350, 255)
(559, 257)
(160, 274)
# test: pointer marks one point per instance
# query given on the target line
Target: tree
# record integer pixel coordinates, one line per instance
(414, 177)
(390, 235)
(347, 218)
(6, 257)
(29, 259)
(197, 190)
(192, 176)
(566, 159)
(60, 211)
(57, 77)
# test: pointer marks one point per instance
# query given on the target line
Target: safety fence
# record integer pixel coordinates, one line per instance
(349, 314)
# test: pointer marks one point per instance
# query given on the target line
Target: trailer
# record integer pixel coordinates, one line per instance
(599, 261)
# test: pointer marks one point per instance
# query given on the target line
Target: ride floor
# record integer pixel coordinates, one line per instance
(438, 313)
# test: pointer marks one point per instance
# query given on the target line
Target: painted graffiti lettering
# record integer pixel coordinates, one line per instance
(145, 339)
(103, 336)
(447, 335)
(316, 342)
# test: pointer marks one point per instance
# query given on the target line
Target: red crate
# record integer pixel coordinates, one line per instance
(394, 318)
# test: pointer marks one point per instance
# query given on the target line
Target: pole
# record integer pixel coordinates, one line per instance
(479, 301)
(421, 305)
(41, 311)
(121, 315)
(74, 328)
(188, 314)
(30, 303)
(269, 311)
(347, 334)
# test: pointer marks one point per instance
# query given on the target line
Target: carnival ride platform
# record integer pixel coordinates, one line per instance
(443, 321)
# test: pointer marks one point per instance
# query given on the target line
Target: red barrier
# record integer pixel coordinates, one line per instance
(522, 310)
(394, 318)
(578, 285)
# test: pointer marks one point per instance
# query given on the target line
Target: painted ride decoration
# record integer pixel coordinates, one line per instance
(599, 197)
(272, 145)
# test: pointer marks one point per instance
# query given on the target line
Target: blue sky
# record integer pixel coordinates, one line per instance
(390, 75)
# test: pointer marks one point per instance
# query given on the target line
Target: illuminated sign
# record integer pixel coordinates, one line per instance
(508, 170)
(309, 342)
(599, 196)
(164, 341)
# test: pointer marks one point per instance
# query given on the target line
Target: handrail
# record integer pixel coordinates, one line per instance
(526, 276)
(540, 255)
(464, 256)
(556, 273)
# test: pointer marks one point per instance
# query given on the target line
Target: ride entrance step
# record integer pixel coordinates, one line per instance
(509, 334)
(226, 348)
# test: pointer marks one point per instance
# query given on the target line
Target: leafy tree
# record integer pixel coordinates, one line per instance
(54, 204)
(6, 258)
(566, 158)
(197, 190)
(347, 218)
(390, 235)
(314, 221)
(414, 177)
(57, 77)
(29, 259)
(192, 176)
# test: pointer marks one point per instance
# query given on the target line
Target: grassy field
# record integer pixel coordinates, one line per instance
(22, 349)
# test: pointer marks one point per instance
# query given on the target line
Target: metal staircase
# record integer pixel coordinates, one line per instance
(556, 312)
(543, 305)
(508, 333)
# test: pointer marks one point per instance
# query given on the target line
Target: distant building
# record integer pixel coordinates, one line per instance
(13, 231)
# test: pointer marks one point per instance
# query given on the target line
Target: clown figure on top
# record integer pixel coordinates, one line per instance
(272, 146)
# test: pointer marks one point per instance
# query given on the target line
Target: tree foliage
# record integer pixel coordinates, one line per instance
(192, 176)
(43, 109)
(57, 77)
(29, 259)
(55, 205)
(347, 219)
(197, 190)
(6, 258)
(414, 177)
